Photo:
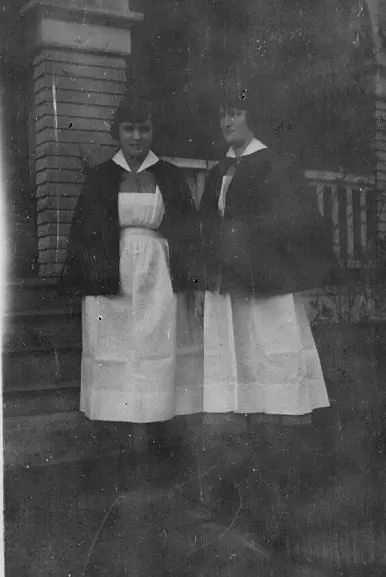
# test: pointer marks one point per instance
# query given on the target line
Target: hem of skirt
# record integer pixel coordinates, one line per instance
(276, 419)
(310, 396)
(224, 410)
(111, 419)
(260, 412)
(96, 416)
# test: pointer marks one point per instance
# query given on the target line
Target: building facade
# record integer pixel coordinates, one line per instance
(67, 64)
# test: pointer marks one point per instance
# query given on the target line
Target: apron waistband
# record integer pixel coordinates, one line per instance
(138, 230)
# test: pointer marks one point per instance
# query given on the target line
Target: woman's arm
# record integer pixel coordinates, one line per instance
(180, 225)
(211, 240)
(80, 243)
(286, 243)
(294, 210)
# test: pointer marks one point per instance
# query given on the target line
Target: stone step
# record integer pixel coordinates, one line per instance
(36, 317)
(45, 399)
(49, 332)
(31, 371)
(41, 351)
(37, 295)
(33, 304)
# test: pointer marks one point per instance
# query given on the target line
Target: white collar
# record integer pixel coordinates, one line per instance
(254, 146)
(150, 159)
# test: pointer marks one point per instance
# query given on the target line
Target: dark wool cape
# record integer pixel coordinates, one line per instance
(92, 263)
(272, 238)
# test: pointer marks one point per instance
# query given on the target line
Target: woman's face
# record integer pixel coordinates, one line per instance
(136, 138)
(234, 126)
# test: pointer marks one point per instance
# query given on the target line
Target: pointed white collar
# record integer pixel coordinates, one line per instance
(150, 159)
(254, 146)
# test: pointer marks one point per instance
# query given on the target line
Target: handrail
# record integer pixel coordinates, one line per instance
(324, 175)
(191, 163)
(328, 176)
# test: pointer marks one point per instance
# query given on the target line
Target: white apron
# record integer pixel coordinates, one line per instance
(259, 353)
(131, 369)
(260, 357)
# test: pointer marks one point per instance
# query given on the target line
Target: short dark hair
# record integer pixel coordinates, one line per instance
(254, 96)
(241, 99)
(130, 110)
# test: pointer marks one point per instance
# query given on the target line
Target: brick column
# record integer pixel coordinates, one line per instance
(380, 145)
(377, 14)
(79, 52)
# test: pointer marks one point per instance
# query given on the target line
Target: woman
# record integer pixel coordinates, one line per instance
(133, 237)
(264, 240)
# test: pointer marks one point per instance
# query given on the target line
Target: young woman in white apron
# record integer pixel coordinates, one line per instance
(264, 242)
(133, 237)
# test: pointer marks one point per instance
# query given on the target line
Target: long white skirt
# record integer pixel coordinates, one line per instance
(260, 357)
(142, 355)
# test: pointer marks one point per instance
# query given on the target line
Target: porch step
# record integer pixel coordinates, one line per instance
(37, 317)
(41, 352)
(30, 368)
(42, 329)
(43, 399)
(38, 295)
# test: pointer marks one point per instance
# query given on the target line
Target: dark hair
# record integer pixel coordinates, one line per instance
(260, 115)
(241, 99)
(130, 110)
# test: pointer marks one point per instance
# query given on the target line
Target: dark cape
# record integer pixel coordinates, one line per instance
(92, 263)
(272, 238)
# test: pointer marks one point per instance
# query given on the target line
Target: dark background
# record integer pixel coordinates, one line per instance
(307, 63)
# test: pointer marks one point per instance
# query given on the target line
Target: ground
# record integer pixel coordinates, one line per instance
(231, 501)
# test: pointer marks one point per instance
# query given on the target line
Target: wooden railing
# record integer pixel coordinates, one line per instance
(195, 172)
(348, 203)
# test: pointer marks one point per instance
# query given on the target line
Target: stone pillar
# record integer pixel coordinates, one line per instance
(79, 51)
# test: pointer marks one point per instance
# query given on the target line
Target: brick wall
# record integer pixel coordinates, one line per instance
(75, 95)
(80, 57)
(80, 68)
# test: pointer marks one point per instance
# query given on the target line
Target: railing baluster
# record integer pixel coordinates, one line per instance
(201, 177)
(363, 224)
(320, 194)
(349, 222)
(372, 221)
(335, 221)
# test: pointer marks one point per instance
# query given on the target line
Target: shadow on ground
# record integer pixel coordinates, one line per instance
(229, 501)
